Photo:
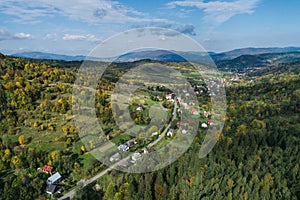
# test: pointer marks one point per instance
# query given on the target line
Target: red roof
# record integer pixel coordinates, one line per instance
(47, 168)
(210, 121)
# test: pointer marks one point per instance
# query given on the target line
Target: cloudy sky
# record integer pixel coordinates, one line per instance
(75, 27)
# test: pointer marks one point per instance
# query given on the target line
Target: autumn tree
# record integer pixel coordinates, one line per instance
(21, 139)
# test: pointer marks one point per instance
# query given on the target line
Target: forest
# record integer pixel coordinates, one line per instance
(256, 156)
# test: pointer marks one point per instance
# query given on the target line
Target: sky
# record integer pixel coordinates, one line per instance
(75, 27)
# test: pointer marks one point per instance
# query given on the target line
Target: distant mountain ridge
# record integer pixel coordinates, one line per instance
(254, 51)
(163, 55)
(50, 56)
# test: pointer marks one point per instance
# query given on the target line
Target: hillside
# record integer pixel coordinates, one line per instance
(256, 157)
(247, 63)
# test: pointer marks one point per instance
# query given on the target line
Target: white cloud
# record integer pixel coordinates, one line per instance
(218, 12)
(91, 11)
(6, 35)
(88, 37)
(22, 35)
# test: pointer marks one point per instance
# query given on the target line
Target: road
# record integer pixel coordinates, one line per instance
(167, 128)
(71, 194)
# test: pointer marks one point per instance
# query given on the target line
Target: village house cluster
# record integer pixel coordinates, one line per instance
(182, 102)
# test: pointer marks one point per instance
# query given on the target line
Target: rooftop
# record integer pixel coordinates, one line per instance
(54, 178)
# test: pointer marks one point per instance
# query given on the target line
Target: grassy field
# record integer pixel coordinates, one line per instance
(123, 137)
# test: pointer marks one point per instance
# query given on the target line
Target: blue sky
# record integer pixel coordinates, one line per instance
(75, 27)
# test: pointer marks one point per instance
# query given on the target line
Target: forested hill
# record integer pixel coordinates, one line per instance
(246, 63)
(256, 157)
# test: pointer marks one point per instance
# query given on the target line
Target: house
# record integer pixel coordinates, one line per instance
(204, 125)
(123, 147)
(195, 112)
(170, 133)
(135, 157)
(184, 131)
(54, 179)
(159, 98)
(206, 114)
(210, 121)
(47, 169)
(50, 189)
(145, 151)
(140, 108)
(168, 96)
(115, 157)
(154, 134)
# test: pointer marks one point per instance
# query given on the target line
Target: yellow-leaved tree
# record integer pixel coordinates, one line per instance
(21, 139)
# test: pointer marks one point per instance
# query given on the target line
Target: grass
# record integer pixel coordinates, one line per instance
(162, 143)
(117, 140)
(151, 102)
(85, 159)
(42, 140)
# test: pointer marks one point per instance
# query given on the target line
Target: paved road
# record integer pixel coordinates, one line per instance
(71, 194)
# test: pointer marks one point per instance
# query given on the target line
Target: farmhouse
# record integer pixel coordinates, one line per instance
(154, 134)
(140, 108)
(54, 179)
(135, 157)
(170, 133)
(184, 131)
(47, 169)
(123, 147)
(195, 112)
(204, 125)
(51, 189)
(52, 182)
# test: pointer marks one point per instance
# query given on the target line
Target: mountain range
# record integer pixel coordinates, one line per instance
(239, 60)
(163, 55)
(50, 56)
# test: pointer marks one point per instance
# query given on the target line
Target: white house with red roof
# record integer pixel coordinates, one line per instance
(195, 112)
